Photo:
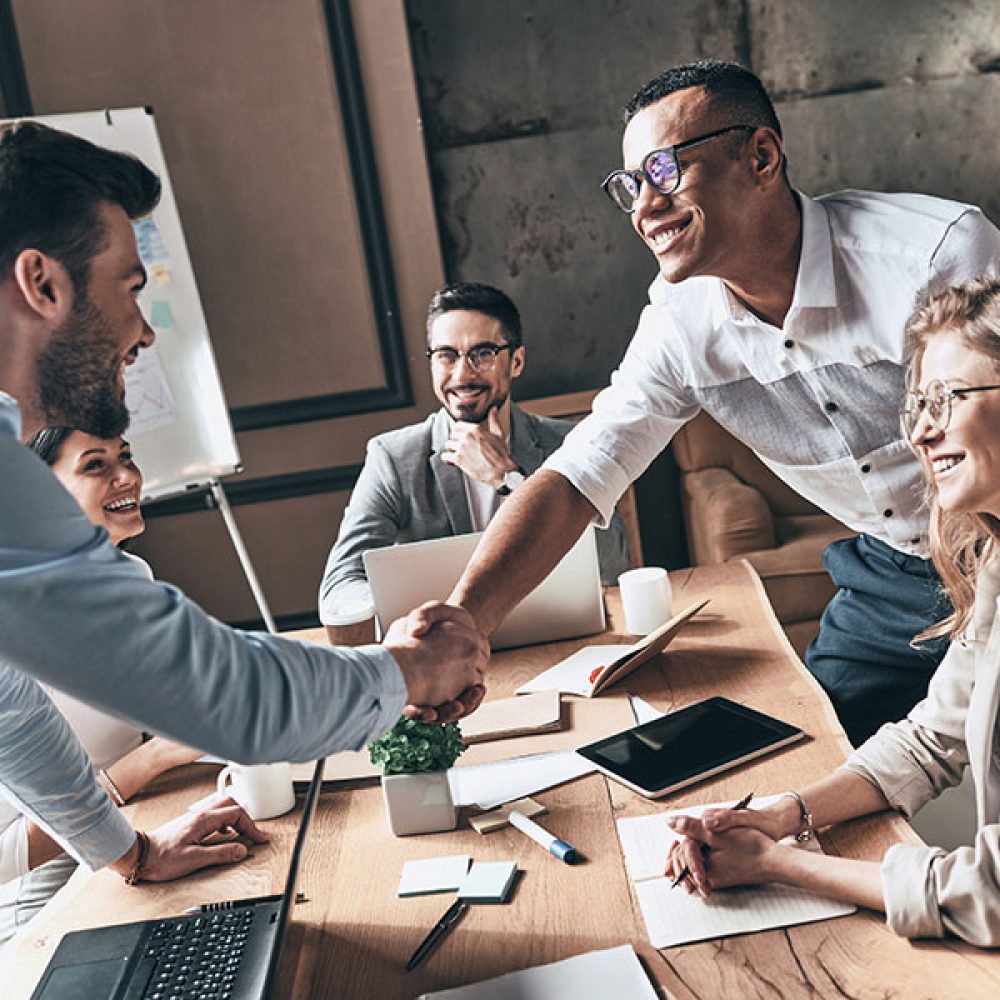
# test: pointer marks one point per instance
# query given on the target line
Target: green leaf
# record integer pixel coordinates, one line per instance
(411, 747)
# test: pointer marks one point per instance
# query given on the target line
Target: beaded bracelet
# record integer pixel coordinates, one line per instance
(135, 872)
(111, 788)
(807, 830)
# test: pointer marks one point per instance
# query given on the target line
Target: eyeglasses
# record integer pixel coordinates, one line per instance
(659, 168)
(936, 402)
(481, 358)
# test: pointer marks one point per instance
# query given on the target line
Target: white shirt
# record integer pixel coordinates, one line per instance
(817, 400)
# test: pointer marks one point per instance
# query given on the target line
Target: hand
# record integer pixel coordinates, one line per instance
(480, 450)
(722, 847)
(442, 656)
(178, 848)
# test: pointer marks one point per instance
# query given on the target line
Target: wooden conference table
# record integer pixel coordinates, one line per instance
(352, 936)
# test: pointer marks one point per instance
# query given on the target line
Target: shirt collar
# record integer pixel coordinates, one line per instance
(10, 416)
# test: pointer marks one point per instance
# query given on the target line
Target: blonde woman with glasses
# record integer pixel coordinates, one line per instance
(951, 415)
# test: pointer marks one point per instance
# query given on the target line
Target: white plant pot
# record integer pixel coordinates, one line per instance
(419, 803)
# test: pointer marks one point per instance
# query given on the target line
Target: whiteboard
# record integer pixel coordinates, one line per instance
(180, 430)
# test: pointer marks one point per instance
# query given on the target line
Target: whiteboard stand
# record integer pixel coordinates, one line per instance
(222, 501)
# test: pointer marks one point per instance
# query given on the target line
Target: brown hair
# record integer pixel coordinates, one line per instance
(961, 542)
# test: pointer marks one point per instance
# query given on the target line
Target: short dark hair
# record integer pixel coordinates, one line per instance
(479, 298)
(47, 443)
(52, 186)
(731, 87)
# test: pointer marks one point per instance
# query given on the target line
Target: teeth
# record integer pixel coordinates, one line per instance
(127, 503)
(664, 236)
(944, 464)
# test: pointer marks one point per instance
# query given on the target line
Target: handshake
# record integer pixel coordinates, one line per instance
(442, 656)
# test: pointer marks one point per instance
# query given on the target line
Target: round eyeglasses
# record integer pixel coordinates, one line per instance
(481, 357)
(660, 168)
(935, 401)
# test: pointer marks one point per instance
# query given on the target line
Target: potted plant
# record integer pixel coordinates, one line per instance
(415, 757)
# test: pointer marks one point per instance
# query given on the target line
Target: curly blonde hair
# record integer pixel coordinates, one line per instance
(961, 542)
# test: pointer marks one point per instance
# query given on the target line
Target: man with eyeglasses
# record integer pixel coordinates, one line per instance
(782, 316)
(449, 474)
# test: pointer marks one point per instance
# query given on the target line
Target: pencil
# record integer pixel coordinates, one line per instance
(685, 871)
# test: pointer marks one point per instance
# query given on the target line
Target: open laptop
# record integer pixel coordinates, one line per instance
(230, 952)
(567, 603)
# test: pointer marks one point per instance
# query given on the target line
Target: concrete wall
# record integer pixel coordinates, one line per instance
(521, 103)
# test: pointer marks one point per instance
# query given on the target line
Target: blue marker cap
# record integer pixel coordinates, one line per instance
(563, 851)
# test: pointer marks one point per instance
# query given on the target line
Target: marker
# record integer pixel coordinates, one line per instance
(555, 846)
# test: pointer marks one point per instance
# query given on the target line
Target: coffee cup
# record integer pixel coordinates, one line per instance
(646, 598)
(264, 790)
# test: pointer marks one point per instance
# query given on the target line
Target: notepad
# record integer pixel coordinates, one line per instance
(673, 916)
(488, 882)
(430, 875)
(506, 717)
(595, 975)
(590, 670)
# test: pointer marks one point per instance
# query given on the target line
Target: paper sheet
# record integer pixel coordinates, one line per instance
(572, 675)
(596, 975)
(673, 916)
(490, 785)
(427, 875)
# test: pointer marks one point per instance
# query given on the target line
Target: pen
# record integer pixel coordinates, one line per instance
(438, 931)
(555, 846)
(685, 871)
(235, 904)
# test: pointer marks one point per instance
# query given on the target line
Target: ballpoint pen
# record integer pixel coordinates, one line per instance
(685, 871)
(438, 931)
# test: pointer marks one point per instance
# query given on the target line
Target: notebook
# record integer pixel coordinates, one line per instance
(233, 949)
(673, 916)
(567, 603)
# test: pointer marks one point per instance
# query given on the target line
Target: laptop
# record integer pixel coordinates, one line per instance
(567, 603)
(232, 951)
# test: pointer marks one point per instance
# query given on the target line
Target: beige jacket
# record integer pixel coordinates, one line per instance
(928, 891)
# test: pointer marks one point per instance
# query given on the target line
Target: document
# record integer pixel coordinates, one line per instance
(595, 975)
(490, 785)
(673, 916)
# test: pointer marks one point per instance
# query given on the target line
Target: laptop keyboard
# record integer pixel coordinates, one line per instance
(196, 958)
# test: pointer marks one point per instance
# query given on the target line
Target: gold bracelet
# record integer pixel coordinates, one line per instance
(135, 872)
(111, 788)
(807, 831)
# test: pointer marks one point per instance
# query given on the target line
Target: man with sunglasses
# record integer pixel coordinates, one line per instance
(782, 316)
(449, 474)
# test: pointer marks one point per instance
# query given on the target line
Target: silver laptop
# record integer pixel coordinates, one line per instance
(567, 603)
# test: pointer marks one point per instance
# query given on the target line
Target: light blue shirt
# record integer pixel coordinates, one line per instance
(77, 614)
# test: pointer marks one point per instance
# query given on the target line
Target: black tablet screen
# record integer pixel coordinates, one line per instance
(693, 742)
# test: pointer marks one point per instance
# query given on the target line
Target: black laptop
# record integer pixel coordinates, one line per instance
(230, 952)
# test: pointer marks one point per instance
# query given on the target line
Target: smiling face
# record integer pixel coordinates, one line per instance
(702, 228)
(964, 459)
(100, 475)
(81, 370)
(465, 393)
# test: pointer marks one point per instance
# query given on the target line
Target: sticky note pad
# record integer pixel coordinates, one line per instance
(488, 882)
(433, 875)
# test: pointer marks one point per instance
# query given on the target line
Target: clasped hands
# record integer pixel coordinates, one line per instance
(442, 656)
(724, 848)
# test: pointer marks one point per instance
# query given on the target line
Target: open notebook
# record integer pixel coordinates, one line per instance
(675, 917)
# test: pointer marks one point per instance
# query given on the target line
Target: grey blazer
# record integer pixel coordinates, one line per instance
(407, 493)
(928, 891)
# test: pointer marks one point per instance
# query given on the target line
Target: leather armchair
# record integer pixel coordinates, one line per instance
(736, 508)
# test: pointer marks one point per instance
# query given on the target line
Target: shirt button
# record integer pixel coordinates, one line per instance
(887, 512)
(789, 344)
(830, 407)
(866, 468)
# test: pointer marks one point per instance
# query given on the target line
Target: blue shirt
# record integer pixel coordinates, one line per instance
(77, 614)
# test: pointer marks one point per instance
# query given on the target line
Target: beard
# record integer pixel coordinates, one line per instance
(78, 375)
(476, 412)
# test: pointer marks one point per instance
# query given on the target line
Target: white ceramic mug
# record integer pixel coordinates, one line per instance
(264, 790)
(646, 599)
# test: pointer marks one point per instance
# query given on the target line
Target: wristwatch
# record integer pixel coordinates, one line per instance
(511, 481)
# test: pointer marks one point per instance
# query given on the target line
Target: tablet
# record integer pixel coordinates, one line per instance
(683, 747)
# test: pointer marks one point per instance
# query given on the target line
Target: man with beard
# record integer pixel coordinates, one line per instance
(74, 611)
(449, 474)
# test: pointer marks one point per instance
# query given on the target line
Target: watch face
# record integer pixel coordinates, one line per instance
(513, 479)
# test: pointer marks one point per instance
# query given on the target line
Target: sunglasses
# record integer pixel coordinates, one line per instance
(660, 169)
(935, 401)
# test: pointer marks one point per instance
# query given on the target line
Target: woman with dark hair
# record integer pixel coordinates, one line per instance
(104, 480)
(951, 415)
